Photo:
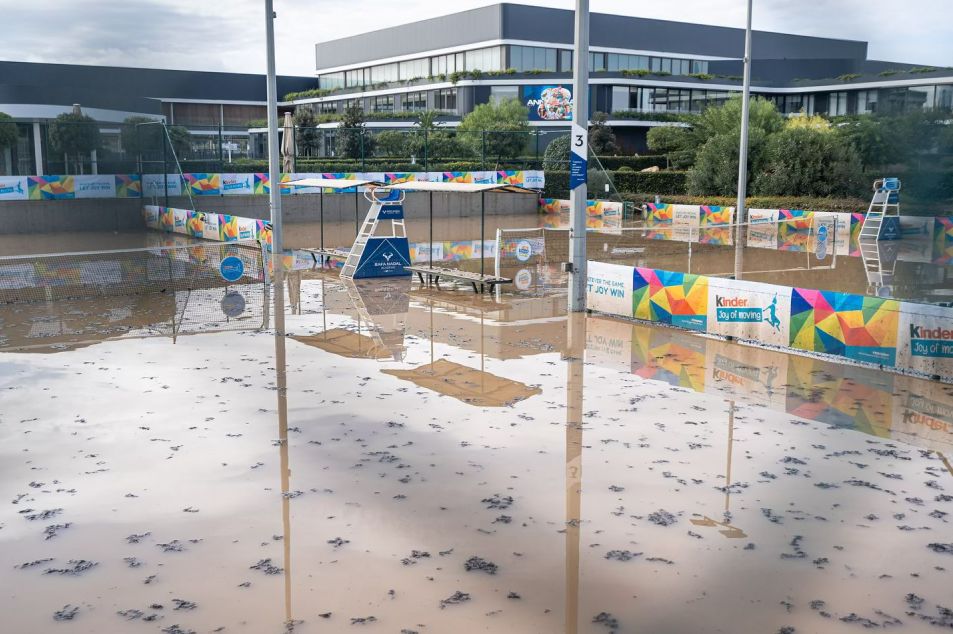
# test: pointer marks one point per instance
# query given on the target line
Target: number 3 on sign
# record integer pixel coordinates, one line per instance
(579, 140)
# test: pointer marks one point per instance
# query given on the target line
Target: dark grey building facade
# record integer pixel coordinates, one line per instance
(639, 69)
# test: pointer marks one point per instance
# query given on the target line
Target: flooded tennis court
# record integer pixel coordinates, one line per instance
(412, 459)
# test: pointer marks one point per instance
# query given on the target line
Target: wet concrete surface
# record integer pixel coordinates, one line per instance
(568, 475)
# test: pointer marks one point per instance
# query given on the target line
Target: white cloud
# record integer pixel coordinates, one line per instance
(230, 36)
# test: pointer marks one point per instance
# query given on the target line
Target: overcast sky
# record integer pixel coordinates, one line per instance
(187, 34)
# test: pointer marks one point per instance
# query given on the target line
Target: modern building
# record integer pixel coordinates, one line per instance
(212, 106)
(640, 69)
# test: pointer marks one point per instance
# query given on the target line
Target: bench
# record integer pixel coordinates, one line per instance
(434, 274)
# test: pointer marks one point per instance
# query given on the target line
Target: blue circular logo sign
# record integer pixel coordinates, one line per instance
(822, 232)
(232, 269)
(524, 250)
(233, 304)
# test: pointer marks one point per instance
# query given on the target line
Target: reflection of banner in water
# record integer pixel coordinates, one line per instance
(673, 357)
(677, 299)
(756, 373)
(51, 187)
(923, 411)
(609, 343)
(855, 326)
(843, 396)
(718, 236)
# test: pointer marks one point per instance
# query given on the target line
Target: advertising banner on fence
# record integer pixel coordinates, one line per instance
(204, 184)
(854, 326)
(51, 187)
(749, 310)
(609, 288)
(150, 214)
(15, 276)
(238, 184)
(128, 186)
(534, 179)
(14, 188)
(925, 340)
(152, 185)
(211, 228)
(714, 215)
(685, 215)
(95, 186)
(180, 219)
(677, 299)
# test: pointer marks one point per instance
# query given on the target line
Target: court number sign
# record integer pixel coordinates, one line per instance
(578, 156)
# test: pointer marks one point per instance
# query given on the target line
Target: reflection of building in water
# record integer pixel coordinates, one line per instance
(905, 408)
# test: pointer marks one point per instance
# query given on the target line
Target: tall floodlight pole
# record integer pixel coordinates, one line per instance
(740, 213)
(274, 176)
(578, 158)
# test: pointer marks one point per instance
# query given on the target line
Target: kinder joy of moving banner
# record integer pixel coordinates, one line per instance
(853, 326)
(925, 339)
(14, 188)
(749, 310)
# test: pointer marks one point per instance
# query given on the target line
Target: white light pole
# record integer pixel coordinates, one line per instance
(578, 158)
(740, 213)
(274, 176)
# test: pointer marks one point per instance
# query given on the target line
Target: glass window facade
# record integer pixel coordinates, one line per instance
(485, 59)
(446, 99)
(523, 58)
(383, 103)
(384, 73)
(331, 81)
(502, 93)
(415, 101)
(414, 69)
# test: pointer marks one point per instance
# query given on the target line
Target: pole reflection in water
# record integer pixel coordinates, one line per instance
(281, 384)
(575, 351)
(729, 531)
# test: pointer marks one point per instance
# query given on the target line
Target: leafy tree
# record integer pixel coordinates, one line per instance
(556, 154)
(75, 135)
(714, 139)
(8, 131)
(496, 130)
(181, 140)
(307, 137)
(675, 142)
(601, 137)
(397, 144)
(812, 122)
(351, 141)
(868, 137)
(808, 161)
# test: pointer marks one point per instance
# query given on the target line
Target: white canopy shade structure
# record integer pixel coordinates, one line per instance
(463, 188)
(331, 183)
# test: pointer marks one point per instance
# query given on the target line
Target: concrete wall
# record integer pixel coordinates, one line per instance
(46, 216)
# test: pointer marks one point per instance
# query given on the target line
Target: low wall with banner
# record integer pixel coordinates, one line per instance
(60, 187)
(893, 334)
(229, 228)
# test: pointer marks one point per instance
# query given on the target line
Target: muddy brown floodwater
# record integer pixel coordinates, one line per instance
(427, 461)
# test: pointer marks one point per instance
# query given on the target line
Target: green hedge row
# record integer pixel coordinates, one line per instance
(663, 183)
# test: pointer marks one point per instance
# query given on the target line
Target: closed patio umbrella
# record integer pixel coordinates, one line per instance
(287, 146)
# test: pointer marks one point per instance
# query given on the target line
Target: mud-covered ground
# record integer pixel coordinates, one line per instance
(152, 486)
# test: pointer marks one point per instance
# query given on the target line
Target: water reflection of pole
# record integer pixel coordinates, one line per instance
(731, 438)
(575, 350)
(282, 388)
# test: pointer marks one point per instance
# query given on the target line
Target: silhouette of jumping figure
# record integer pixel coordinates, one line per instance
(772, 317)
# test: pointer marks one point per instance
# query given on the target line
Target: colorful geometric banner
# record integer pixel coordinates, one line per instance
(51, 187)
(128, 186)
(669, 297)
(854, 326)
(203, 184)
(715, 215)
